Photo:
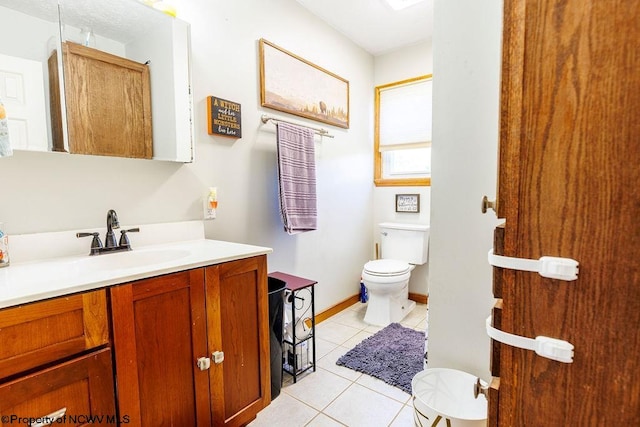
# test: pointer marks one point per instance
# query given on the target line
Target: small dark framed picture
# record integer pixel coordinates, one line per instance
(408, 203)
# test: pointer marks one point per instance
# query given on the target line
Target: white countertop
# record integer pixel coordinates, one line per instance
(25, 282)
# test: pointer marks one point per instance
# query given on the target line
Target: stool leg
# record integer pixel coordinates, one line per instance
(417, 412)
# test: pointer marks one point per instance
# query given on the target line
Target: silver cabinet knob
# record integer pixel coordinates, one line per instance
(488, 204)
(203, 363)
(218, 357)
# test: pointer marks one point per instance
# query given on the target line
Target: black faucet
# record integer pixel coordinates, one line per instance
(112, 222)
(111, 244)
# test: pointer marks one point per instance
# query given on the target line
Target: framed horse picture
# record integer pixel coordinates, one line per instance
(291, 84)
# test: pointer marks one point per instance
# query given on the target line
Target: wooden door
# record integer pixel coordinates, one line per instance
(159, 332)
(238, 319)
(569, 186)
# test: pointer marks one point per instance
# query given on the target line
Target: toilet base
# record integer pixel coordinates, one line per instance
(383, 310)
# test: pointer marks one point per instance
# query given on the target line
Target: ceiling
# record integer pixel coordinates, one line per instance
(122, 21)
(373, 25)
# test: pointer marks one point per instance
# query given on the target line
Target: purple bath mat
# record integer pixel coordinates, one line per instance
(394, 355)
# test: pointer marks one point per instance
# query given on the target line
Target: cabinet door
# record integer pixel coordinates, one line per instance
(34, 334)
(238, 323)
(159, 332)
(79, 391)
(108, 101)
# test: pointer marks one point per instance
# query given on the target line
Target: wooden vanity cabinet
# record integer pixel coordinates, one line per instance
(45, 332)
(54, 355)
(163, 325)
(108, 103)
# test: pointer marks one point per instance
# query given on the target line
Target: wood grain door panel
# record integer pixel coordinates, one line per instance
(95, 83)
(237, 306)
(158, 382)
(568, 187)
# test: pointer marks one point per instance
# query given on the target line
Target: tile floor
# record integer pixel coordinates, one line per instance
(338, 396)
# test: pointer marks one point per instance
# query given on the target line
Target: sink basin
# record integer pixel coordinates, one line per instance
(132, 259)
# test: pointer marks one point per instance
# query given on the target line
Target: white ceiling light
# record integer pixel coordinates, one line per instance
(402, 4)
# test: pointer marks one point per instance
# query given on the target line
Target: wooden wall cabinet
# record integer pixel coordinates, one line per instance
(108, 103)
(163, 325)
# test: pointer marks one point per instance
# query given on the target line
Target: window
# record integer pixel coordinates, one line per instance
(402, 136)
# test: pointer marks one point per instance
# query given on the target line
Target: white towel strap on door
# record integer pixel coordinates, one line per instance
(547, 266)
(551, 348)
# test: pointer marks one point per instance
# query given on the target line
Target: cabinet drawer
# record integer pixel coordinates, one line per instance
(79, 389)
(43, 332)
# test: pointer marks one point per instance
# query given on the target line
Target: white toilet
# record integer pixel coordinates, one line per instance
(387, 280)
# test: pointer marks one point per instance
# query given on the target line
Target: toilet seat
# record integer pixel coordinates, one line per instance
(386, 267)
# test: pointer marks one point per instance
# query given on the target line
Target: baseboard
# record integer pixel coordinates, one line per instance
(419, 298)
(320, 317)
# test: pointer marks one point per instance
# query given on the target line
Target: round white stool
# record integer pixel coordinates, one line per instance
(445, 396)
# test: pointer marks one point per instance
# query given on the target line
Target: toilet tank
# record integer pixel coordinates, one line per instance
(404, 242)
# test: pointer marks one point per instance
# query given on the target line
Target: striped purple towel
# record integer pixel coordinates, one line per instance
(297, 178)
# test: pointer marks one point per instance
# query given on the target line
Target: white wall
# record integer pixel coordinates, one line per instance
(466, 48)
(411, 61)
(52, 191)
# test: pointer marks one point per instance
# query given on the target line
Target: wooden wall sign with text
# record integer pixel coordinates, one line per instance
(223, 117)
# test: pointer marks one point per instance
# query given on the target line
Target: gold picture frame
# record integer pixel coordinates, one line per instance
(291, 84)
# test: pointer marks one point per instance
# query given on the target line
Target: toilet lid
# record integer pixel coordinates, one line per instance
(386, 267)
